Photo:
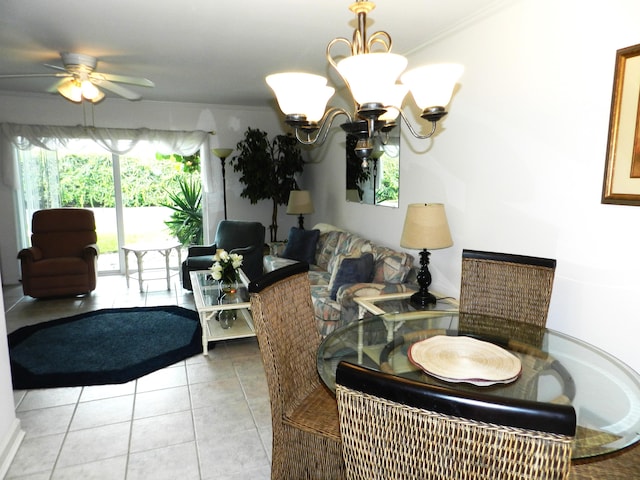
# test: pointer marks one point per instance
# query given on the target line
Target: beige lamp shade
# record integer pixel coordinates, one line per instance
(222, 152)
(426, 227)
(299, 203)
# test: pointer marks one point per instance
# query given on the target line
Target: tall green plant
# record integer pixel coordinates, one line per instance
(268, 169)
(186, 220)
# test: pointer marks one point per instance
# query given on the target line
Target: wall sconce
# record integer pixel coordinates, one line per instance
(425, 227)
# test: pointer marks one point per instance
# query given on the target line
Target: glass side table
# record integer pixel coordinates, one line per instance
(399, 303)
(206, 294)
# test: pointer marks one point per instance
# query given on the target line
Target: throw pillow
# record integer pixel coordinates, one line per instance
(301, 245)
(351, 270)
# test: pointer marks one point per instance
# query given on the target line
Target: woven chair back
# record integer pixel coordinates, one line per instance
(306, 435)
(393, 428)
(515, 287)
(284, 322)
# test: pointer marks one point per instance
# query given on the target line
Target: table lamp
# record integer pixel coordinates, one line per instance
(300, 204)
(425, 227)
(222, 154)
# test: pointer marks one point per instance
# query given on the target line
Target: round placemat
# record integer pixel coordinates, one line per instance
(464, 359)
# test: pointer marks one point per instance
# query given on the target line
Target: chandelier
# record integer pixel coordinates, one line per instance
(371, 74)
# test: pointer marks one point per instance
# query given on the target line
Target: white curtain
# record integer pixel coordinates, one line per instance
(115, 140)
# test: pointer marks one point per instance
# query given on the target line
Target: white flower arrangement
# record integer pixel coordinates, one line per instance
(225, 266)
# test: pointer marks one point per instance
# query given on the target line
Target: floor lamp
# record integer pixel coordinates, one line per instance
(222, 154)
(425, 228)
(300, 204)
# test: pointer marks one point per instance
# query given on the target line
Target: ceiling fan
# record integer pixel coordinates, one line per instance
(79, 80)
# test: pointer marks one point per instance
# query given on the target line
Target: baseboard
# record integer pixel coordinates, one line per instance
(9, 447)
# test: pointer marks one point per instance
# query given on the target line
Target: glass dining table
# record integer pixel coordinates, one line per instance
(554, 368)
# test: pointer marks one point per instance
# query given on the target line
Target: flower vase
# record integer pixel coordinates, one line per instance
(227, 293)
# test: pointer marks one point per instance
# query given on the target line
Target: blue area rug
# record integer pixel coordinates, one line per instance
(114, 345)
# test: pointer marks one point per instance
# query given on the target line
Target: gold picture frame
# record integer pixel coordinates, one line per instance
(622, 168)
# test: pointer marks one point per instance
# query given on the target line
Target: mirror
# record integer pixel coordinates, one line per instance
(377, 183)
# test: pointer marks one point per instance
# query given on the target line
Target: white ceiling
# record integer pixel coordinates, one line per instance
(204, 51)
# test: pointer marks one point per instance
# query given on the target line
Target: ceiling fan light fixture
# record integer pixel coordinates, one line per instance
(89, 90)
(71, 90)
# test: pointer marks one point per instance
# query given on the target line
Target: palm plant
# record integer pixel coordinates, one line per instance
(186, 220)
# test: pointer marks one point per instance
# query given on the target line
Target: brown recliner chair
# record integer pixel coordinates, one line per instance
(63, 258)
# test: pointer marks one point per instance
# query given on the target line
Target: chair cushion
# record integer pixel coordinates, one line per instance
(301, 245)
(351, 270)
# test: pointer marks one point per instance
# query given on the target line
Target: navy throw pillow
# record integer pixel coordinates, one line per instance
(353, 270)
(301, 245)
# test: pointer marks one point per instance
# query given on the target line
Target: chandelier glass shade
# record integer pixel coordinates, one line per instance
(375, 79)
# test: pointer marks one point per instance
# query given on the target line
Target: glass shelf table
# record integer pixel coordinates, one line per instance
(555, 368)
(205, 293)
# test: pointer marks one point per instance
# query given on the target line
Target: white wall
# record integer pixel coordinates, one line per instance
(519, 162)
(229, 123)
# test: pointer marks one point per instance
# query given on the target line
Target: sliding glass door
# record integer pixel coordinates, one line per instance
(125, 192)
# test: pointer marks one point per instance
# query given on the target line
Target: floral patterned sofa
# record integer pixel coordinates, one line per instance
(391, 272)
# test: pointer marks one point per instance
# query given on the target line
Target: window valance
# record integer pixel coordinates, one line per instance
(119, 141)
(115, 140)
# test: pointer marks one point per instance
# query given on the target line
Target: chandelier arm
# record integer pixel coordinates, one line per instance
(335, 67)
(330, 46)
(325, 124)
(382, 38)
(414, 132)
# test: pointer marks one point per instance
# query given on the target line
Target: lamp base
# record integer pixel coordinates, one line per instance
(422, 300)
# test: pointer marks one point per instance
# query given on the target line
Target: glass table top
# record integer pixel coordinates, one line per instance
(555, 368)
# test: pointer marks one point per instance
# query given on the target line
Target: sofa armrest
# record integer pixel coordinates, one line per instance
(201, 250)
(31, 254)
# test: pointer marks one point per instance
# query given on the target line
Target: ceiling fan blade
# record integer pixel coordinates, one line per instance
(117, 89)
(26, 75)
(55, 67)
(141, 82)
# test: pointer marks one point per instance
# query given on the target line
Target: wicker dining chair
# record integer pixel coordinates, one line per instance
(396, 428)
(516, 287)
(623, 465)
(304, 413)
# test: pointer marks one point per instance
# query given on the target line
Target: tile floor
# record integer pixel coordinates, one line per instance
(202, 418)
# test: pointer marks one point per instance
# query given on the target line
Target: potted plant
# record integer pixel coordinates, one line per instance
(186, 220)
(267, 169)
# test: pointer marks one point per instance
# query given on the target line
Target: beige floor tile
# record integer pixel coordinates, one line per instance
(169, 463)
(109, 469)
(210, 393)
(222, 418)
(36, 454)
(161, 431)
(236, 453)
(46, 421)
(103, 412)
(49, 397)
(161, 402)
(172, 376)
(93, 444)
(98, 392)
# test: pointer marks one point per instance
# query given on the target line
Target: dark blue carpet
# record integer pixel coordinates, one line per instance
(114, 345)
